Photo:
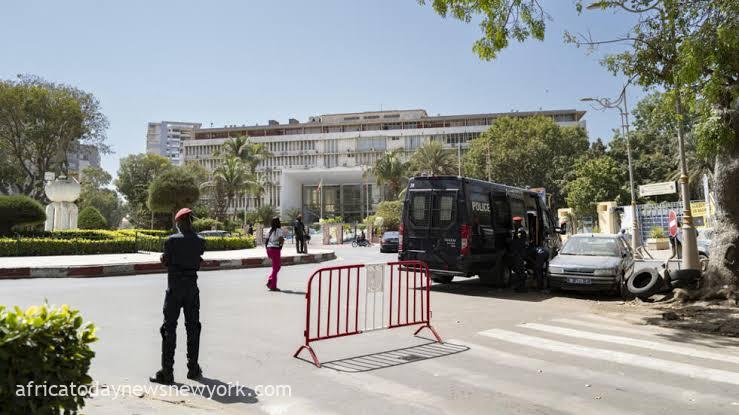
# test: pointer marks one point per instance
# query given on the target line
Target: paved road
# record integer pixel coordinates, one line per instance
(504, 353)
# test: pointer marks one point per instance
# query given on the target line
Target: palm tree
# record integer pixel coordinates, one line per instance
(391, 171)
(234, 177)
(249, 153)
(433, 160)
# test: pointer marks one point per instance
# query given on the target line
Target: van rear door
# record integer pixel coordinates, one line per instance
(432, 228)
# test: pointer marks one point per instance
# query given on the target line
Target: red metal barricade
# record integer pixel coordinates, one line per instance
(343, 301)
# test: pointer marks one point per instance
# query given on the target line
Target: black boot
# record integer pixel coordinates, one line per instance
(162, 376)
(194, 371)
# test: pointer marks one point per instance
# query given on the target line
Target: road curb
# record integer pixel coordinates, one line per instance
(113, 270)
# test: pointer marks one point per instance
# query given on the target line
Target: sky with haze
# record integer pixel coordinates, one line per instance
(245, 62)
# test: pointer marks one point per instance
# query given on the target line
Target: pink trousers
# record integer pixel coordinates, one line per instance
(274, 255)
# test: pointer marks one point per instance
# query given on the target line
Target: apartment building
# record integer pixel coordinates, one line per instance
(336, 151)
(166, 137)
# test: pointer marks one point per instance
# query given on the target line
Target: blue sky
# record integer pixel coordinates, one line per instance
(245, 62)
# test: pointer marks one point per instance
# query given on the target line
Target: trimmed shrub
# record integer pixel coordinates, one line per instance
(75, 246)
(19, 210)
(91, 218)
(47, 346)
(206, 224)
(228, 243)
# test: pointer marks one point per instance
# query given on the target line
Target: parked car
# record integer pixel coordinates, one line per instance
(461, 227)
(593, 262)
(704, 246)
(214, 234)
(389, 242)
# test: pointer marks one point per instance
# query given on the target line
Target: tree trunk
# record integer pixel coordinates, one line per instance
(721, 279)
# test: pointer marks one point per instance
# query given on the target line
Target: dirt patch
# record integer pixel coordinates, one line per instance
(715, 318)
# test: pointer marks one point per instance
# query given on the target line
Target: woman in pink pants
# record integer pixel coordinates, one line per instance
(275, 240)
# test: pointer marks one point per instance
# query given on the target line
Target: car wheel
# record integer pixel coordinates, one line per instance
(623, 289)
(443, 279)
(644, 283)
(499, 277)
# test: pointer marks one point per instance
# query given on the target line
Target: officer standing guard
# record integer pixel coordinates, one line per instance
(518, 246)
(182, 255)
(299, 231)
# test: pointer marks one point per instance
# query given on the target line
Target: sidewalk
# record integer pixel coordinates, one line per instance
(144, 263)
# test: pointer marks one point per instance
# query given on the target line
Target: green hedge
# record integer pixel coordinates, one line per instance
(19, 210)
(47, 346)
(74, 246)
(117, 242)
(91, 218)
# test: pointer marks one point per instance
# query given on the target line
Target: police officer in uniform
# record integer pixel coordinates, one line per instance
(182, 255)
(518, 246)
(299, 230)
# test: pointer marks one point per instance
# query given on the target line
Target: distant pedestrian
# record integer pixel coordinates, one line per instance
(300, 234)
(275, 240)
(517, 249)
(250, 229)
(182, 255)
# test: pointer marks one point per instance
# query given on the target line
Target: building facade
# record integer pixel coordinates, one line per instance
(84, 155)
(166, 137)
(321, 167)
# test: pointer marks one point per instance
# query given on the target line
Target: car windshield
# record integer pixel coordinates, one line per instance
(389, 235)
(590, 247)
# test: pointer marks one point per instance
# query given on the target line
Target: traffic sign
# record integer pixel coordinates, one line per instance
(672, 218)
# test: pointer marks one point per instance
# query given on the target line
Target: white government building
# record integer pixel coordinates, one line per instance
(338, 149)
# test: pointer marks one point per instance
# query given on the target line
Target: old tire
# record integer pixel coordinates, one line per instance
(684, 278)
(703, 258)
(644, 283)
(443, 279)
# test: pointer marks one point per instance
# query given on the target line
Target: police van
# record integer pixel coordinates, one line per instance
(461, 226)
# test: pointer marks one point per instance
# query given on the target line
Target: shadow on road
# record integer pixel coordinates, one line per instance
(221, 392)
(397, 357)
(474, 287)
(293, 292)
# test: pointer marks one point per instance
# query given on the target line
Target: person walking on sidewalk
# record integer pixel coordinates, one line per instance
(182, 256)
(299, 230)
(275, 239)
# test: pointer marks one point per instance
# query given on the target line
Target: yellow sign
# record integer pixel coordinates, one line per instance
(699, 214)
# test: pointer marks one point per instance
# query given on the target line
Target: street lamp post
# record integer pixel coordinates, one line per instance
(606, 103)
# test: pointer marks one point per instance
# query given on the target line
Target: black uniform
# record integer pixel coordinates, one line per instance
(182, 256)
(299, 228)
(538, 257)
(518, 245)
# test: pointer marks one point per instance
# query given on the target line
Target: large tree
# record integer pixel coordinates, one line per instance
(234, 178)
(135, 174)
(433, 159)
(247, 151)
(41, 122)
(527, 151)
(95, 193)
(596, 180)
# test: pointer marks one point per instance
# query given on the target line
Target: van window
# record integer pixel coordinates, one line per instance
(444, 209)
(480, 208)
(420, 208)
(517, 208)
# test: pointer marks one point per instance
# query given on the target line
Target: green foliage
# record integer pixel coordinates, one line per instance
(91, 218)
(206, 224)
(93, 182)
(433, 160)
(334, 219)
(392, 172)
(530, 151)
(500, 20)
(229, 243)
(657, 233)
(234, 178)
(44, 345)
(172, 190)
(19, 210)
(135, 174)
(596, 180)
(390, 212)
(40, 123)
(264, 214)
(291, 214)
(251, 154)
(74, 246)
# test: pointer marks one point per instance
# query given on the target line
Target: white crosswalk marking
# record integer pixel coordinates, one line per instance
(630, 359)
(627, 341)
(586, 375)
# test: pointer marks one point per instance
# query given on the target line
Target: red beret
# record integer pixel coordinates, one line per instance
(517, 219)
(182, 213)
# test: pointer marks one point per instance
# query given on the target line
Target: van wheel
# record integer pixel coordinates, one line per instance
(443, 279)
(499, 277)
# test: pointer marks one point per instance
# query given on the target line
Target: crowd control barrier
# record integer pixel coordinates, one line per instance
(353, 299)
